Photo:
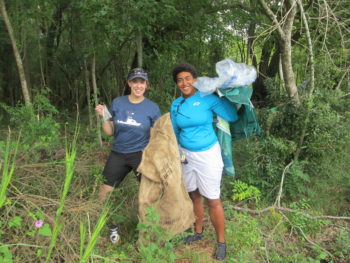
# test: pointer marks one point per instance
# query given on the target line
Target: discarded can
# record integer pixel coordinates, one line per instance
(113, 234)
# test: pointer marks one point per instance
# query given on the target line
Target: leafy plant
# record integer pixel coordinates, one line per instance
(342, 246)
(5, 254)
(307, 225)
(244, 238)
(38, 122)
(242, 191)
(154, 241)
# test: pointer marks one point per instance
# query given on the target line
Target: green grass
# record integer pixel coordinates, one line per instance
(71, 152)
(8, 167)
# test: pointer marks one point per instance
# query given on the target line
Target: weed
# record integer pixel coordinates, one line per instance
(244, 238)
(342, 245)
(154, 242)
(9, 167)
(309, 226)
(70, 162)
(85, 251)
(5, 254)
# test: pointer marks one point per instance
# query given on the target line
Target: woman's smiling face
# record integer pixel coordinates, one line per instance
(184, 81)
(138, 86)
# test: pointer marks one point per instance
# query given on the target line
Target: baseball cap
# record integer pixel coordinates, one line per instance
(137, 73)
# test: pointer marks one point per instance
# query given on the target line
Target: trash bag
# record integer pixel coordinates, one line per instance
(231, 75)
(162, 184)
(235, 74)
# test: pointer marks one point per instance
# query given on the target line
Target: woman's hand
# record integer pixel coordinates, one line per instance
(107, 126)
(99, 110)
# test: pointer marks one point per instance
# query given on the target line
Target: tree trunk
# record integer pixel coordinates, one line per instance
(250, 48)
(88, 92)
(267, 68)
(284, 30)
(288, 73)
(22, 77)
(94, 86)
(139, 48)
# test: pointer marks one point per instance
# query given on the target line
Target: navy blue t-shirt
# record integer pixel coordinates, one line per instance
(132, 123)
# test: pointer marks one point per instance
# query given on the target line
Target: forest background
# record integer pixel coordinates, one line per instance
(289, 201)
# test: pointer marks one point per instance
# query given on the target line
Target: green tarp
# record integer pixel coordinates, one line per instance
(247, 124)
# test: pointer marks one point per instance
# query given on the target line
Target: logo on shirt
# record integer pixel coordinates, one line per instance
(130, 121)
(196, 103)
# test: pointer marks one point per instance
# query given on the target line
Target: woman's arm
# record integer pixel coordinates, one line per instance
(173, 121)
(225, 109)
(107, 125)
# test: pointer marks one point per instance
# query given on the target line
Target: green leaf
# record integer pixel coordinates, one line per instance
(31, 233)
(32, 215)
(16, 221)
(40, 214)
(5, 255)
(272, 110)
(39, 252)
(45, 230)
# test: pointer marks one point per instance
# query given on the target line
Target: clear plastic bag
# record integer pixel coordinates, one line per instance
(231, 75)
(106, 115)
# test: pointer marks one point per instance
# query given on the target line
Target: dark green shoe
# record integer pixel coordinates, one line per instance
(193, 238)
(220, 253)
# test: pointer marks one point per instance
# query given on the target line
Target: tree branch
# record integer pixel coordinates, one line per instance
(278, 199)
(308, 36)
(273, 17)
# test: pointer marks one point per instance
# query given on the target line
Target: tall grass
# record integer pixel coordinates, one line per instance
(85, 252)
(9, 168)
(71, 152)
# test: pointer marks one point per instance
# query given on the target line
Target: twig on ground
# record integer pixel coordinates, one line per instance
(308, 240)
(283, 209)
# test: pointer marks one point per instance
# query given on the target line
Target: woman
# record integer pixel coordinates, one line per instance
(192, 118)
(132, 118)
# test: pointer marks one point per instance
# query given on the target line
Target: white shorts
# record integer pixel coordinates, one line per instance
(204, 171)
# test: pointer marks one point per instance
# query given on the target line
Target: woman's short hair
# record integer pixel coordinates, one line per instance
(184, 67)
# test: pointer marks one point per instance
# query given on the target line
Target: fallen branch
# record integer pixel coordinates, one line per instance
(308, 240)
(278, 199)
(283, 209)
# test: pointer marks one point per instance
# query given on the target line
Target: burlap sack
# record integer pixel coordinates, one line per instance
(161, 184)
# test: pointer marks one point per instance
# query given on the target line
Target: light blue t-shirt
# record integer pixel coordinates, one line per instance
(192, 119)
(132, 123)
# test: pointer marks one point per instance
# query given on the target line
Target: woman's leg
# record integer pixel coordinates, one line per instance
(217, 217)
(104, 190)
(198, 210)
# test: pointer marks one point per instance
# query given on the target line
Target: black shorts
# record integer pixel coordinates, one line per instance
(119, 165)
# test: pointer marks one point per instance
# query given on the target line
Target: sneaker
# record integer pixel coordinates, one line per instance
(193, 238)
(113, 234)
(220, 253)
